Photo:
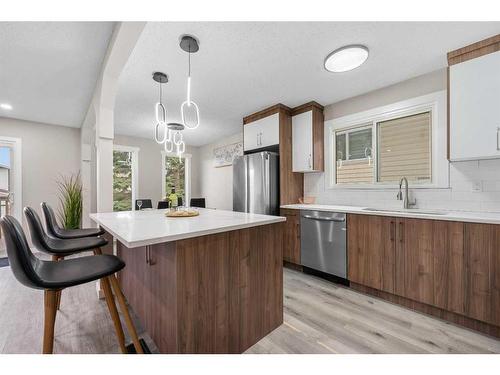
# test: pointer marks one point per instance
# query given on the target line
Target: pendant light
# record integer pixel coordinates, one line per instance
(175, 139)
(160, 110)
(190, 45)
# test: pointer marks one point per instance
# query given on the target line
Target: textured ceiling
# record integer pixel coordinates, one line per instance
(243, 67)
(48, 70)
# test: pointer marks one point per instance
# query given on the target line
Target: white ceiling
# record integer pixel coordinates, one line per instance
(244, 67)
(48, 70)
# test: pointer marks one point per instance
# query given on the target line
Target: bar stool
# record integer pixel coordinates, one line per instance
(54, 230)
(54, 276)
(56, 247)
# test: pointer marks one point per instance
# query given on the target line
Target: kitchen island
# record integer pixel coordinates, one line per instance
(206, 284)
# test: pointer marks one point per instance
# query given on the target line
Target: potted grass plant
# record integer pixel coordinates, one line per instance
(70, 201)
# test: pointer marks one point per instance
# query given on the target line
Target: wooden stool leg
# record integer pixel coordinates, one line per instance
(57, 258)
(114, 313)
(126, 314)
(50, 310)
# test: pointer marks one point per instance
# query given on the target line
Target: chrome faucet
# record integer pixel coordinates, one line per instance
(406, 200)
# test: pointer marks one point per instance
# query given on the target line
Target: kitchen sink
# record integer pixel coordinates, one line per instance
(413, 211)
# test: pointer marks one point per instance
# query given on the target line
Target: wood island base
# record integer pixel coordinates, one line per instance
(219, 293)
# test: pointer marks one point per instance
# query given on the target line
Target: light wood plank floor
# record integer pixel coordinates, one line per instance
(320, 317)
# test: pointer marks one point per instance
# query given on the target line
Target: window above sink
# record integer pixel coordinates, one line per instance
(375, 148)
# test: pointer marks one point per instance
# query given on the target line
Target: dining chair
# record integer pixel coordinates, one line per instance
(146, 203)
(162, 205)
(198, 202)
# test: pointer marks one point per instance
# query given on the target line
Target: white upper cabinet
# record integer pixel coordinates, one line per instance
(261, 133)
(302, 142)
(307, 138)
(475, 108)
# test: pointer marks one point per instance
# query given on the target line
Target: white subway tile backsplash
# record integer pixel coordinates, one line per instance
(460, 197)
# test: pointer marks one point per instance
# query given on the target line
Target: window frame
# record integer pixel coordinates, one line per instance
(135, 169)
(187, 171)
(347, 133)
(435, 103)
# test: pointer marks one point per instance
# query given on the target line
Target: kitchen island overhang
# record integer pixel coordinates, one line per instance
(206, 284)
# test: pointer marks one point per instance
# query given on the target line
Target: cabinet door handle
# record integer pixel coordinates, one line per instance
(498, 138)
(147, 254)
(401, 232)
(310, 161)
(393, 230)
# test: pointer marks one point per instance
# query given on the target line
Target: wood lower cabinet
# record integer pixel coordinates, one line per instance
(371, 242)
(291, 236)
(482, 287)
(135, 284)
(451, 267)
(430, 258)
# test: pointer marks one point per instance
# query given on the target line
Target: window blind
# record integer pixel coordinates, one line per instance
(404, 148)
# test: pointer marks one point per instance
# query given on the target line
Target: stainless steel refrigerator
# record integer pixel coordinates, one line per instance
(256, 183)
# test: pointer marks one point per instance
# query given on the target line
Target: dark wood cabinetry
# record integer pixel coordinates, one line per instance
(218, 293)
(431, 263)
(371, 251)
(482, 287)
(445, 268)
(291, 236)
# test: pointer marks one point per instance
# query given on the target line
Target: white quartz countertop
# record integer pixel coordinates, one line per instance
(465, 216)
(149, 227)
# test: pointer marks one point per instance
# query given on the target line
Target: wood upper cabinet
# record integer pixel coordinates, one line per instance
(430, 263)
(482, 255)
(307, 138)
(291, 236)
(371, 244)
(474, 89)
(261, 133)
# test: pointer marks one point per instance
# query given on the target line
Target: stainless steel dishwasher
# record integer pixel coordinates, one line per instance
(323, 242)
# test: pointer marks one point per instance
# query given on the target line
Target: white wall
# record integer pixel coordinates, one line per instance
(463, 175)
(150, 164)
(216, 184)
(48, 152)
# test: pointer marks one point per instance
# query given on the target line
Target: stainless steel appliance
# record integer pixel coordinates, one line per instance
(256, 183)
(323, 242)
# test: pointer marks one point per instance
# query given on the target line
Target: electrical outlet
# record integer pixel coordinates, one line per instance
(477, 186)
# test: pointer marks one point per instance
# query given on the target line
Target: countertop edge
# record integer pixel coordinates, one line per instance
(183, 236)
(449, 216)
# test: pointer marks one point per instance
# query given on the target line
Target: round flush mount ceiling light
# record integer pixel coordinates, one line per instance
(6, 106)
(346, 58)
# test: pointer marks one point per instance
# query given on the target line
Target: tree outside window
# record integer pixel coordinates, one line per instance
(122, 181)
(175, 176)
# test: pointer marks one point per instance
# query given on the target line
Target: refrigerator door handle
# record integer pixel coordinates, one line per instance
(267, 184)
(247, 186)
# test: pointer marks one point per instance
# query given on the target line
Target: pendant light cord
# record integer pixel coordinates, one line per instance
(160, 89)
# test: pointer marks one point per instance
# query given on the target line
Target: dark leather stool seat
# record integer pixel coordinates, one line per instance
(54, 230)
(56, 246)
(71, 272)
(52, 277)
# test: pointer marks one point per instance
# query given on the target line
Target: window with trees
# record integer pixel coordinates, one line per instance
(177, 175)
(124, 175)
